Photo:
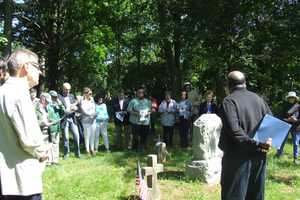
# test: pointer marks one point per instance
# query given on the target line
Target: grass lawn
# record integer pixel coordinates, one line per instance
(110, 176)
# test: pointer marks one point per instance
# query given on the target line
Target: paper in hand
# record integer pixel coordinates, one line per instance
(143, 115)
(274, 128)
(120, 116)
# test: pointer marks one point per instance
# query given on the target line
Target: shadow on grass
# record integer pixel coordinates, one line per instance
(131, 197)
(172, 175)
(287, 180)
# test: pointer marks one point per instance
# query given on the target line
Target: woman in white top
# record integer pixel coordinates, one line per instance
(88, 116)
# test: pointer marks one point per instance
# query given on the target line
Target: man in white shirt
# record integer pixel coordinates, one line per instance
(22, 149)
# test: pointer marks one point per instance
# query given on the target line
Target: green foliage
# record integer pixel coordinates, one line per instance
(114, 44)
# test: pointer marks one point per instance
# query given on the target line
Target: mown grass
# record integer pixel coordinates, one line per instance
(110, 176)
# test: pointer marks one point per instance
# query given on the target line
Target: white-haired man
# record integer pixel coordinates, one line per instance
(21, 142)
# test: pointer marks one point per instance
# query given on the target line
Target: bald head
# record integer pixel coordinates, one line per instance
(236, 79)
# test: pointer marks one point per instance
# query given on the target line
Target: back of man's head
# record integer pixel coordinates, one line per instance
(18, 58)
(236, 79)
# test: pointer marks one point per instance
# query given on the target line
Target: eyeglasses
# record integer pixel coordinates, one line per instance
(35, 65)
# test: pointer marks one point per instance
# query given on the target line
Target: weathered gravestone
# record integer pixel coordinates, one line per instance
(161, 151)
(151, 173)
(206, 163)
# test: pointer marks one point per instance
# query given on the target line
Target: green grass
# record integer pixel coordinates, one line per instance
(110, 176)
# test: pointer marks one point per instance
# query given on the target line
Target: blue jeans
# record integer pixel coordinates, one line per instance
(74, 129)
(280, 151)
(296, 139)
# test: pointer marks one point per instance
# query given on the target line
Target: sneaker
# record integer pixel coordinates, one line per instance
(296, 162)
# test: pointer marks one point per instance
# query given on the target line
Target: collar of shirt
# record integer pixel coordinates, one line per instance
(18, 81)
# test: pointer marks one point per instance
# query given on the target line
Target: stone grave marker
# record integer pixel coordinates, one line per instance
(206, 163)
(151, 171)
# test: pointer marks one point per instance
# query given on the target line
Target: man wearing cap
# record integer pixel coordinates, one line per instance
(244, 159)
(69, 122)
(290, 114)
(22, 148)
(49, 123)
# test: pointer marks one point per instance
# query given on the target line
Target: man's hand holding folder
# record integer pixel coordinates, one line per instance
(265, 147)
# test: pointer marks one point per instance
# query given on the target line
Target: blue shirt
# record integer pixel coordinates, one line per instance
(168, 112)
(185, 109)
(101, 111)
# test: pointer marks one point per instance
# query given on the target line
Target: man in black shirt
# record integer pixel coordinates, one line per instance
(244, 160)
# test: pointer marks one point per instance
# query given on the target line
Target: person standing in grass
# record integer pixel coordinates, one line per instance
(22, 148)
(140, 110)
(184, 108)
(244, 159)
(55, 129)
(45, 114)
(290, 114)
(102, 118)
(70, 121)
(168, 108)
(119, 109)
(88, 116)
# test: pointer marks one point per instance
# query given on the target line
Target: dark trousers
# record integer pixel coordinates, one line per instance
(140, 134)
(168, 135)
(153, 121)
(243, 179)
(184, 127)
(13, 197)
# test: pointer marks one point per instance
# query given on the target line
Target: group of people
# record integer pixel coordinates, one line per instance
(30, 128)
(88, 116)
(65, 113)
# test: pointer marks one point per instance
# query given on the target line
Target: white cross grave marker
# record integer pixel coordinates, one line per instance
(151, 173)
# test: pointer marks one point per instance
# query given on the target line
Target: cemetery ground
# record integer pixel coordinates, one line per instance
(111, 176)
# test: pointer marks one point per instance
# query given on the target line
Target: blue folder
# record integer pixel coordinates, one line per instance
(274, 128)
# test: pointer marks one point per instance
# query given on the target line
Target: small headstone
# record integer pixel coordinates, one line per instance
(161, 151)
(151, 173)
(206, 163)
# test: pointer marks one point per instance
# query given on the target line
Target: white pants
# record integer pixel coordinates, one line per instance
(89, 136)
(101, 128)
(55, 146)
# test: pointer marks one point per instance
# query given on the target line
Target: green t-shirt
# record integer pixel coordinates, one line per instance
(142, 107)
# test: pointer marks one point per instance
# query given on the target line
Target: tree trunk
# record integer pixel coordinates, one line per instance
(52, 73)
(177, 54)
(8, 11)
